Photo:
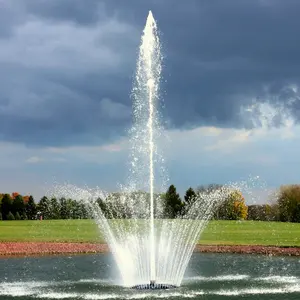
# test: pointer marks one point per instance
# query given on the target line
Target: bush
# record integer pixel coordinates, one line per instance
(10, 216)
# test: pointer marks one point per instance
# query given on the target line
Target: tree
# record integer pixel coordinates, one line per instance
(233, 207)
(31, 209)
(256, 213)
(104, 208)
(190, 196)
(63, 208)
(173, 203)
(66, 208)
(18, 205)
(6, 206)
(192, 203)
(206, 189)
(14, 195)
(54, 209)
(289, 203)
(10, 216)
(83, 211)
(44, 208)
(17, 216)
(73, 207)
(0, 216)
(264, 212)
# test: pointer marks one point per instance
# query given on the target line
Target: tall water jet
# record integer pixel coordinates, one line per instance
(147, 48)
(147, 88)
(150, 250)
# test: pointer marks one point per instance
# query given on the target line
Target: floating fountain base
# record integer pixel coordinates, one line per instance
(153, 286)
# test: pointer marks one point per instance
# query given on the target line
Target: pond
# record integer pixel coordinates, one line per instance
(209, 276)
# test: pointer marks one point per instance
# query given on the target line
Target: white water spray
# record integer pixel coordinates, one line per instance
(147, 87)
(147, 251)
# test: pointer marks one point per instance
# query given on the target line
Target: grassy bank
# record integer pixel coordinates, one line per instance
(216, 233)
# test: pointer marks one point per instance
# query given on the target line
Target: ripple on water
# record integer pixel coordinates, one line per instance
(236, 277)
(72, 289)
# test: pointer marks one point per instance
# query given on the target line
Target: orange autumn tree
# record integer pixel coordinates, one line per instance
(233, 207)
(26, 199)
(240, 208)
(14, 195)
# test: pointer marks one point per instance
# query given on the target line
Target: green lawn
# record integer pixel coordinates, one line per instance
(217, 232)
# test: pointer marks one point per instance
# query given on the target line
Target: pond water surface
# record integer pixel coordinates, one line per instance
(209, 276)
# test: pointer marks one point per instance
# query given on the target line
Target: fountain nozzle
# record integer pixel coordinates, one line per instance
(152, 283)
(154, 286)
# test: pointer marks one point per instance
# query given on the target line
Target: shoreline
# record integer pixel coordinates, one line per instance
(19, 249)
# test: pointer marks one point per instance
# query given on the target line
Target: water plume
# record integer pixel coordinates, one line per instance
(150, 251)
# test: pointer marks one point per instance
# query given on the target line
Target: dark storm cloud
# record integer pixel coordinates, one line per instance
(77, 11)
(222, 54)
(67, 65)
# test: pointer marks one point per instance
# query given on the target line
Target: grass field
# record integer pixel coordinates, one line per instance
(216, 233)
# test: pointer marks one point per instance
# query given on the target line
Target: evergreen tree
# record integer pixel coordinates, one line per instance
(72, 208)
(104, 208)
(31, 209)
(54, 209)
(173, 203)
(44, 208)
(190, 196)
(76, 214)
(18, 205)
(63, 208)
(66, 208)
(6, 206)
(10, 216)
(83, 211)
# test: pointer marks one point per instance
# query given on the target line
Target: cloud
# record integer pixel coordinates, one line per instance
(60, 80)
(230, 89)
(114, 110)
(193, 157)
(73, 11)
(34, 160)
(60, 60)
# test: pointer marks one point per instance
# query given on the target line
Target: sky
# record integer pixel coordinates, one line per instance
(230, 92)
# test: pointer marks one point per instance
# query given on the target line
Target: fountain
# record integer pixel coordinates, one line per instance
(150, 252)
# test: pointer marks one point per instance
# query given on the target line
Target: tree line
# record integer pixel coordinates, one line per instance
(18, 207)
(286, 208)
